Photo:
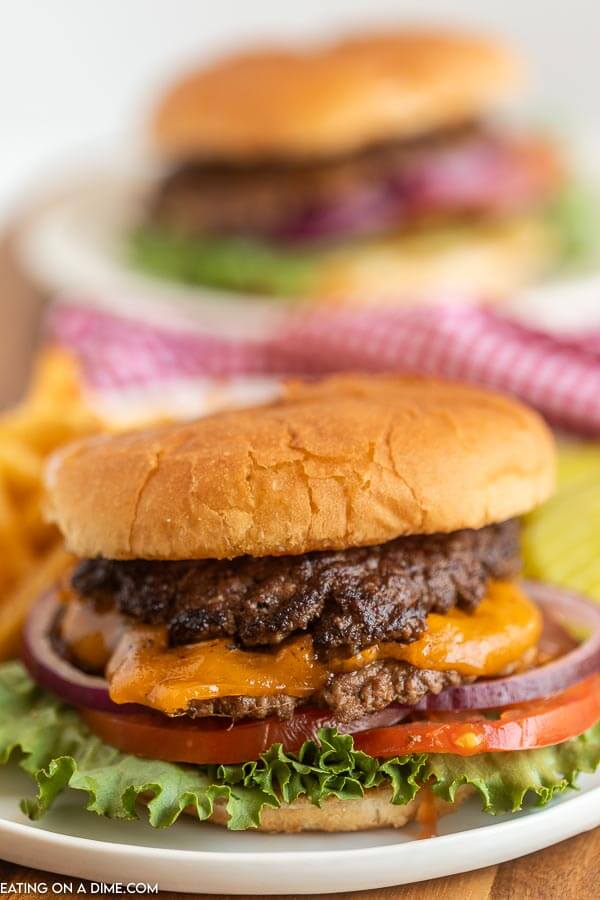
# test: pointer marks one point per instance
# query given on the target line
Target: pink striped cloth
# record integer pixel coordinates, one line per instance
(561, 378)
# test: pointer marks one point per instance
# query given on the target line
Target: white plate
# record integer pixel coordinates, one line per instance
(206, 859)
(568, 307)
(75, 246)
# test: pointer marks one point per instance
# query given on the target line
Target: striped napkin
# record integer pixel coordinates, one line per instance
(560, 377)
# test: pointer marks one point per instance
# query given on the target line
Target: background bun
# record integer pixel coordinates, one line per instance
(344, 462)
(334, 98)
(491, 260)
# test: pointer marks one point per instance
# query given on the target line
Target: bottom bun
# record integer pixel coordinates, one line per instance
(374, 810)
(487, 260)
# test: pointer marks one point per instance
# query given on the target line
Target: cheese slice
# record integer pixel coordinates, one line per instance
(145, 670)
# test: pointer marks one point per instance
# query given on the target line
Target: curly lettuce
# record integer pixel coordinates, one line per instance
(54, 746)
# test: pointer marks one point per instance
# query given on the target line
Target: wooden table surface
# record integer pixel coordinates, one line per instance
(569, 871)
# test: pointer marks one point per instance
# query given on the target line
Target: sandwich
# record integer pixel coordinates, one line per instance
(306, 616)
(369, 170)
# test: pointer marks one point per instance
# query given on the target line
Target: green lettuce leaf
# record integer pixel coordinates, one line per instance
(55, 747)
(575, 215)
(230, 263)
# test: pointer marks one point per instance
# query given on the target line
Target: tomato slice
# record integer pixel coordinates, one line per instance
(201, 741)
(538, 723)
(216, 740)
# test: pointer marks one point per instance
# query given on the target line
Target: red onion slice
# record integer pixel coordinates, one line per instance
(560, 608)
(56, 674)
(480, 174)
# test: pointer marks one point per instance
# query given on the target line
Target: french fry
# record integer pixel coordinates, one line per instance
(40, 576)
(37, 531)
(53, 413)
(19, 464)
(14, 553)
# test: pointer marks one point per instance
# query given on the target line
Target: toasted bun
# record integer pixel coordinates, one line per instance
(344, 462)
(335, 98)
(373, 810)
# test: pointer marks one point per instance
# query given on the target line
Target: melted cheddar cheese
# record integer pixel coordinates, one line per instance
(145, 670)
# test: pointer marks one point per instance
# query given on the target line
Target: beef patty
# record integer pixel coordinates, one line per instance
(349, 696)
(262, 198)
(348, 600)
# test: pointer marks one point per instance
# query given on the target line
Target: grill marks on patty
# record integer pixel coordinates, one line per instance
(348, 600)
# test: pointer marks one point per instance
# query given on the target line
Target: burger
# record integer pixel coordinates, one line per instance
(364, 171)
(307, 616)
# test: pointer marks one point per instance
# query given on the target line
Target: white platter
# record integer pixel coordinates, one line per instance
(206, 859)
(74, 246)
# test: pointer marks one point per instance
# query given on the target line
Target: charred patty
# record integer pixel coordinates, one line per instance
(348, 600)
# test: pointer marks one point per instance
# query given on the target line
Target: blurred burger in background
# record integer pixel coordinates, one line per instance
(367, 170)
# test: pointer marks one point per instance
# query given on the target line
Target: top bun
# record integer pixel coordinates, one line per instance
(333, 99)
(345, 462)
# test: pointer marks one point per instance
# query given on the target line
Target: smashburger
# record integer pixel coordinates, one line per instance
(368, 170)
(308, 616)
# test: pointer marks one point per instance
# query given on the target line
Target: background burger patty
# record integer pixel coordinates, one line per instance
(213, 197)
(349, 599)
(349, 696)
